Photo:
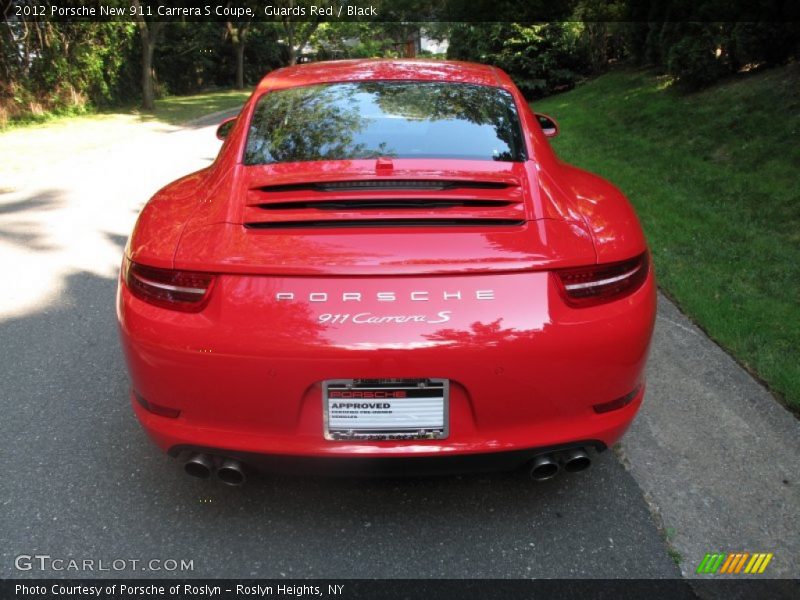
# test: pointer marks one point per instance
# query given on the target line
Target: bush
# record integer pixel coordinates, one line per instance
(696, 60)
(541, 59)
(768, 43)
(660, 33)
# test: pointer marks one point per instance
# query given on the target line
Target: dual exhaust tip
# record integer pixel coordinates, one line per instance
(547, 466)
(228, 470)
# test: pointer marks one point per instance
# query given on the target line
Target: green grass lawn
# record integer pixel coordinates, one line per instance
(174, 110)
(714, 178)
(179, 109)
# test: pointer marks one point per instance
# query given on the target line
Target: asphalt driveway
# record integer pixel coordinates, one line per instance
(712, 458)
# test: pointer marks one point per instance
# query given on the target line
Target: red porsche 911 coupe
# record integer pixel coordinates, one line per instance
(386, 270)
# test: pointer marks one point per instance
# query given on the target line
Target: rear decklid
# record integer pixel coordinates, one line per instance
(369, 217)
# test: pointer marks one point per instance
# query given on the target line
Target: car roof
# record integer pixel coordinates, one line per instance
(380, 69)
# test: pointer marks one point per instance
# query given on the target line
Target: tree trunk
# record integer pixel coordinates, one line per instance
(148, 91)
(148, 33)
(240, 65)
(238, 35)
(289, 28)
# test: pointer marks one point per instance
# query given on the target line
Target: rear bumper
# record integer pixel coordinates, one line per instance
(525, 370)
(413, 466)
(290, 452)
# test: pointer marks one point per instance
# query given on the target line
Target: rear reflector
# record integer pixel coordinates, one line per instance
(616, 404)
(186, 291)
(598, 284)
(156, 409)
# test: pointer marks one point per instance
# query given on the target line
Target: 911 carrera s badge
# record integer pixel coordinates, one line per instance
(368, 318)
(398, 409)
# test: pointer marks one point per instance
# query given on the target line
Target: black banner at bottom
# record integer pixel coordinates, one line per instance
(398, 589)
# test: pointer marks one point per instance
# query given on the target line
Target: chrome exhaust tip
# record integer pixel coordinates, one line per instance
(576, 460)
(231, 472)
(543, 467)
(199, 465)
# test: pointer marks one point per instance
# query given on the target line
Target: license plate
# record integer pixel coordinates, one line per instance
(385, 409)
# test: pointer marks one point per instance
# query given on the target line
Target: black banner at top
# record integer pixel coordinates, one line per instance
(400, 10)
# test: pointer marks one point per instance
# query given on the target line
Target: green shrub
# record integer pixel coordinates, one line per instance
(542, 58)
(770, 43)
(696, 60)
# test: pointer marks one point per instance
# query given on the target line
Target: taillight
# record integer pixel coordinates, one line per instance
(187, 291)
(597, 284)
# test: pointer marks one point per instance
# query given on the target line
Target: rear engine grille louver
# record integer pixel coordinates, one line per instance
(385, 184)
(376, 204)
(385, 203)
(351, 223)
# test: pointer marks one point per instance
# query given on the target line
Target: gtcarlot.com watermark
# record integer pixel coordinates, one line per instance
(47, 563)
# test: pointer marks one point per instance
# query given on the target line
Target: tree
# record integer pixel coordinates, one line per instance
(190, 56)
(263, 52)
(48, 66)
(238, 34)
(297, 33)
(352, 39)
(237, 31)
(600, 35)
(149, 32)
(541, 58)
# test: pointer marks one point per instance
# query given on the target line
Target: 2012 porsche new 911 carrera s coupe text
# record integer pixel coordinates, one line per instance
(386, 270)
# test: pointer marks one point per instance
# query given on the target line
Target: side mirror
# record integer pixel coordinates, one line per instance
(225, 128)
(548, 124)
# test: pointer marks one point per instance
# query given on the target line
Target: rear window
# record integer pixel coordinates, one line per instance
(400, 119)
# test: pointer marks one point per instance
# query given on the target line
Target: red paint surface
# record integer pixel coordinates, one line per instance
(525, 369)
